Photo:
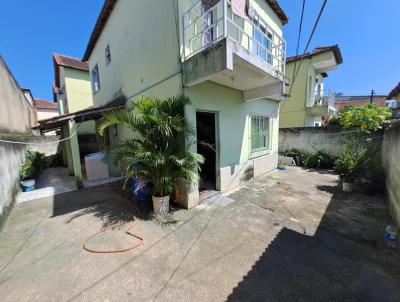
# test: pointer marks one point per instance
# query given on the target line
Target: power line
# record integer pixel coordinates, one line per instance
(308, 43)
(299, 35)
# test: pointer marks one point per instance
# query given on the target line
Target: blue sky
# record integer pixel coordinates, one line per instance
(366, 30)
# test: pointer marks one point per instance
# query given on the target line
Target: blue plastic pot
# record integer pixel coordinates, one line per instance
(28, 185)
(141, 189)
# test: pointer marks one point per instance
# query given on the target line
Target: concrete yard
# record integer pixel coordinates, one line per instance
(288, 236)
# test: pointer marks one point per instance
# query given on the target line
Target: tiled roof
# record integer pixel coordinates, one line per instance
(317, 51)
(394, 92)
(278, 10)
(70, 62)
(110, 4)
(44, 104)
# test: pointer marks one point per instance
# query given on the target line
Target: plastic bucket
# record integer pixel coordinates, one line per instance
(391, 235)
(141, 189)
(28, 185)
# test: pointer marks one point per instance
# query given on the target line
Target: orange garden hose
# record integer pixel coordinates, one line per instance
(127, 232)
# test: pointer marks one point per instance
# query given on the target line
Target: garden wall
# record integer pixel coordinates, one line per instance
(391, 163)
(11, 158)
(331, 140)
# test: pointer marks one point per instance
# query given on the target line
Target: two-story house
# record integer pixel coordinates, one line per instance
(310, 103)
(226, 56)
(72, 88)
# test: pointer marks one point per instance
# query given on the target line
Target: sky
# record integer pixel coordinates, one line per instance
(367, 32)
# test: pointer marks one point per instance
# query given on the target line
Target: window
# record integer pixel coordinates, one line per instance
(317, 124)
(260, 133)
(391, 104)
(95, 79)
(108, 54)
(263, 36)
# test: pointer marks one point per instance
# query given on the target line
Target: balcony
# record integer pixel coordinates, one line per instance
(221, 47)
(323, 103)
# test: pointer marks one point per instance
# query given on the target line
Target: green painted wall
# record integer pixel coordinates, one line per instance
(233, 119)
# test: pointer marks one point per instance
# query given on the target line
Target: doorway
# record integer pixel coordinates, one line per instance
(206, 146)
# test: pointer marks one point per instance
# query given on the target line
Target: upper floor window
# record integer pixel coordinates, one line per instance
(95, 79)
(263, 38)
(260, 133)
(108, 54)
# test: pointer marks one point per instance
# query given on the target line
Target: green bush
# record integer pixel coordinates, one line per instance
(319, 160)
(298, 155)
(34, 162)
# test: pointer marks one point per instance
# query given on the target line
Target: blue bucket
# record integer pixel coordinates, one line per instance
(141, 189)
(28, 185)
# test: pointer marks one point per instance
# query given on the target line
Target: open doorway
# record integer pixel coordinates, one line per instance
(206, 146)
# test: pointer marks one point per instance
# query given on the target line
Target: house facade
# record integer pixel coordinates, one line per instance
(345, 102)
(310, 103)
(72, 88)
(393, 101)
(45, 109)
(227, 57)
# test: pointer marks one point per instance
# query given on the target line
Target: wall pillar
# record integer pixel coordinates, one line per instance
(74, 150)
(67, 149)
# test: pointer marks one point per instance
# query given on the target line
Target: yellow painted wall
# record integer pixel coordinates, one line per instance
(144, 48)
(79, 95)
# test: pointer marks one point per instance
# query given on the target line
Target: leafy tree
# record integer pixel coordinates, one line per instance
(365, 117)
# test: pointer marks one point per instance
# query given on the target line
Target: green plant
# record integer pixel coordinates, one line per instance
(34, 162)
(161, 153)
(298, 155)
(365, 117)
(319, 160)
(351, 163)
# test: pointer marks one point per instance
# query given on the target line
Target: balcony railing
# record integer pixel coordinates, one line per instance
(204, 27)
(325, 97)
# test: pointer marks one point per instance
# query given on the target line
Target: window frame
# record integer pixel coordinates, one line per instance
(95, 68)
(267, 133)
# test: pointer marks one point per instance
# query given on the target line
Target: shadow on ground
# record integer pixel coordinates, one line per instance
(345, 260)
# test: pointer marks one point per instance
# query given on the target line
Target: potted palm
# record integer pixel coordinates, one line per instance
(349, 165)
(161, 147)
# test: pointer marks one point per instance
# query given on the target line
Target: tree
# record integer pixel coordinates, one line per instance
(365, 117)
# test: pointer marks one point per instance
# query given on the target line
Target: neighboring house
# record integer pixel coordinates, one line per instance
(345, 102)
(393, 101)
(17, 110)
(230, 65)
(72, 89)
(45, 109)
(310, 103)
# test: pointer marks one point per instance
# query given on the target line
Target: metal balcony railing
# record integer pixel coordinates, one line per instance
(204, 27)
(325, 97)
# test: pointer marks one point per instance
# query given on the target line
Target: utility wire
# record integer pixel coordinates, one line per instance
(308, 44)
(299, 35)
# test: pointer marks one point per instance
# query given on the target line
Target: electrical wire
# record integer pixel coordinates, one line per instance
(48, 143)
(308, 43)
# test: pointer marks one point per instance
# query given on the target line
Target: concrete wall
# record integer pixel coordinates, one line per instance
(331, 140)
(11, 159)
(17, 113)
(391, 163)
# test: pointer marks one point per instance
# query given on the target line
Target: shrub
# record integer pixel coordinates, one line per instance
(350, 164)
(319, 160)
(34, 162)
(298, 155)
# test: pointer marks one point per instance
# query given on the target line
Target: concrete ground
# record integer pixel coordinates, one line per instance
(54, 181)
(288, 236)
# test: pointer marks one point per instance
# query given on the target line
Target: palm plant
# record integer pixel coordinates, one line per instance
(350, 164)
(161, 152)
